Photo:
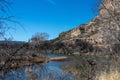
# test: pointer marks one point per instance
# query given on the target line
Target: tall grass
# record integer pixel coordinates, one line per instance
(95, 68)
(112, 75)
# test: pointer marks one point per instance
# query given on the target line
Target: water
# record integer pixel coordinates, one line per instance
(45, 71)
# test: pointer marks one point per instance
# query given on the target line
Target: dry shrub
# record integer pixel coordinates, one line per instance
(112, 75)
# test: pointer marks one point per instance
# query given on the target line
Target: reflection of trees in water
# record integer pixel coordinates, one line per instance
(43, 73)
(38, 72)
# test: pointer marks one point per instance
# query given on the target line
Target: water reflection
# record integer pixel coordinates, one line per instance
(47, 71)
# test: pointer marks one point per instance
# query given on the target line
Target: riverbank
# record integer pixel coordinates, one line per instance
(28, 59)
(93, 67)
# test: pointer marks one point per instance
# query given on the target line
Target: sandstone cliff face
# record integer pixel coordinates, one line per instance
(102, 32)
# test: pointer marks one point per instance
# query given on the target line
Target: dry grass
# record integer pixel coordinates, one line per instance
(112, 75)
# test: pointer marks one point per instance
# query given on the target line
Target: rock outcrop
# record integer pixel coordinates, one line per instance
(102, 33)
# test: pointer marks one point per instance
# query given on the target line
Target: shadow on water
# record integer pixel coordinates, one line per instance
(46, 71)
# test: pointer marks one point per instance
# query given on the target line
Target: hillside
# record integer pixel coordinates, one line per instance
(102, 34)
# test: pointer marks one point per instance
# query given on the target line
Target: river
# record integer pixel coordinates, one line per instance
(45, 71)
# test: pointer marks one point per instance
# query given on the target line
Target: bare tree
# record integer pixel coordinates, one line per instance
(39, 37)
(111, 9)
(7, 21)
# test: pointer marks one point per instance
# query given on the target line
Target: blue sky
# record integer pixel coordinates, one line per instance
(50, 16)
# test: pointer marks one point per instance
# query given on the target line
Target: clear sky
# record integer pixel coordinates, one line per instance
(50, 16)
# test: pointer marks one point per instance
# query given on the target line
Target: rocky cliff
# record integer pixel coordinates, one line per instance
(102, 34)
